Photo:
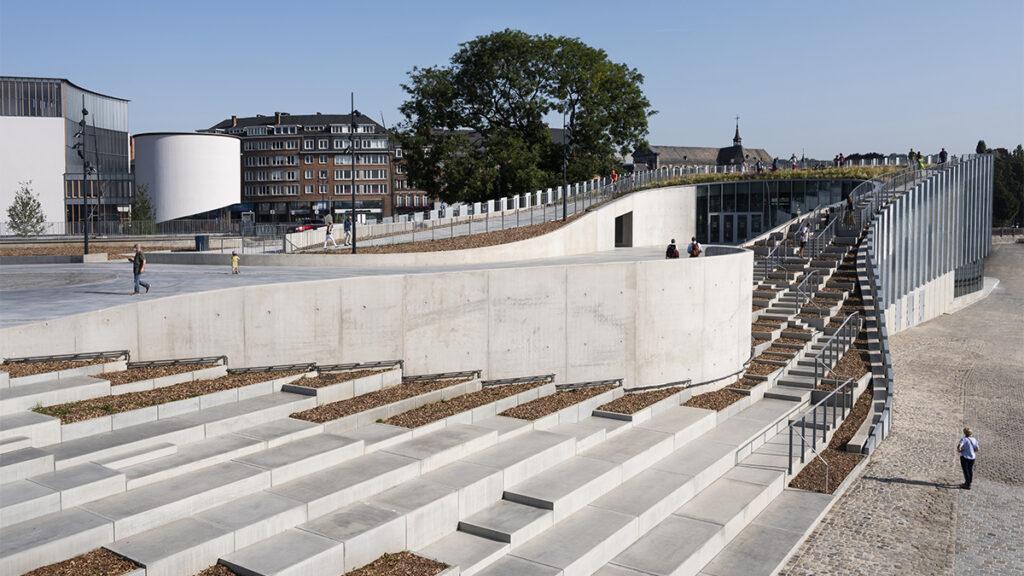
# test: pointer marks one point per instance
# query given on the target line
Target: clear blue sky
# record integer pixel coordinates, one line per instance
(825, 76)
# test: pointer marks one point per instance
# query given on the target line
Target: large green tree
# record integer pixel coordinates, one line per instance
(476, 128)
(1008, 187)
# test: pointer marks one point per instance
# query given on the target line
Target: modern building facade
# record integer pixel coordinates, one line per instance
(38, 122)
(297, 167)
(188, 174)
(652, 157)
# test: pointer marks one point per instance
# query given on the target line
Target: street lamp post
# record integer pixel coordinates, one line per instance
(80, 149)
(352, 152)
(565, 173)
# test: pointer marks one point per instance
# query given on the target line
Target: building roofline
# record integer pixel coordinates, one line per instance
(186, 134)
(64, 80)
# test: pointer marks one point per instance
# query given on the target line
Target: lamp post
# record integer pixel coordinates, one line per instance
(80, 149)
(565, 173)
(352, 152)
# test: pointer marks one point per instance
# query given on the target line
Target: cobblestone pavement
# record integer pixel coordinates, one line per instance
(906, 515)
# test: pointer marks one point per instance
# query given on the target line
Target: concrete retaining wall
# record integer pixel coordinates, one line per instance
(647, 322)
(659, 215)
(921, 304)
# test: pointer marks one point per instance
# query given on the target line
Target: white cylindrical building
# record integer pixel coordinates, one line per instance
(188, 173)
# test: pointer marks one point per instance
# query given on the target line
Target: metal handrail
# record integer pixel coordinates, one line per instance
(592, 384)
(79, 356)
(830, 400)
(802, 296)
(212, 360)
(441, 376)
(519, 380)
(303, 367)
(803, 442)
(823, 238)
(840, 339)
(358, 366)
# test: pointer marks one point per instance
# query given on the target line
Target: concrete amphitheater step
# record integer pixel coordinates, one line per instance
(48, 493)
(183, 429)
(445, 446)
(762, 548)
(14, 443)
(40, 429)
(20, 464)
(190, 458)
(51, 392)
(51, 538)
(296, 459)
(138, 456)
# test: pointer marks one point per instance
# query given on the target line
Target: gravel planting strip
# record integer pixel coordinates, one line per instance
(760, 369)
(148, 373)
(217, 570)
(401, 564)
(717, 400)
(377, 399)
(435, 411)
(536, 409)
(98, 562)
(631, 403)
(840, 462)
(108, 405)
(20, 369)
(329, 378)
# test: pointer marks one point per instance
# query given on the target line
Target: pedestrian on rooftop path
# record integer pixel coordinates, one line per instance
(775, 164)
(968, 449)
(694, 248)
(614, 176)
(792, 162)
(234, 262)
(671, 252)
(943, 156)
(138, 267)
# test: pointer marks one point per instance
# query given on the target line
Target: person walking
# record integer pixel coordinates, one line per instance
(693, 249)
(775, 164)
(138, 267)
(671, 252)
(330, 236)
(943, 156)
(801, 235)
(792, 162)
(968, 449)
(614, 177)
(348, 230)
(234, 262)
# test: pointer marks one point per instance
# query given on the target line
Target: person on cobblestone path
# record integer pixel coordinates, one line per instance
(671, 251)
(968, 449)
(138, 267)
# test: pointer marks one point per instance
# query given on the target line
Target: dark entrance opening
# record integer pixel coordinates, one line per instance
(624, 230)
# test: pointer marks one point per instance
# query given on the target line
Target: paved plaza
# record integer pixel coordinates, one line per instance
(906, 515)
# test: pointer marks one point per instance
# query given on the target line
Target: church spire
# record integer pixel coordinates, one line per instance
(736, 140)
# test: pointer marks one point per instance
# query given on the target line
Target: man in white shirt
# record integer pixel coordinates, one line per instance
(968, 449)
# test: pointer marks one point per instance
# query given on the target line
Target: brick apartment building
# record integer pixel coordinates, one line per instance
(297, 167)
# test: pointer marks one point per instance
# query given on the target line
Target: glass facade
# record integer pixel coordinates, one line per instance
(735, 212)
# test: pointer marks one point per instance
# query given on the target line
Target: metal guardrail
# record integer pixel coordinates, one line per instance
(823, 238)
(802, 295)
(441, 376)
(110, 354)
(358, 366)
(590, 384)
(519, 380)
(836, 345)
(688, 383)
(212, 360)
(304, 367)
(840, 401)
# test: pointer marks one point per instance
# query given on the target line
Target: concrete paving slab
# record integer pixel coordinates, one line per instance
(507, 521)
(567, 487)
(757, 550)
(291, 553)
(41, 429)
(82, 483)
(23, 463)
(294, 459)
(728, 503)
(587, 434)
(364, 531)
(143, 508)
(794, 510)
(445, 446)
(23, 500)
(377, 436)
(635, 450)
(526, 455)
(477, 486)
(256, 517)
(675, 546)
(431, 510)
(184, 546)
(736, 430)
(512, 566)
(581, 543)
(348, 482)
(470, 553)
(281, 431)
(51, 538)
(755, 475)
(190, 458)
(650, 496)
(138, 456)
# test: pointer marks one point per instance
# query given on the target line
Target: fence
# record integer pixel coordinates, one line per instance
(108, 228)
(839, 402)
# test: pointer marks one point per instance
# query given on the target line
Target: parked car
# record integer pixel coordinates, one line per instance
(302, 227)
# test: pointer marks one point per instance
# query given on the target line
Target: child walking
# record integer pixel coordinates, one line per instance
(234, 262)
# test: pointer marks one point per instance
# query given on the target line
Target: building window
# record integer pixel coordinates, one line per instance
(398, 152)
(322, 144)
(307, 144)
(342, 159)
(309, 159)
(323, 159)
(308, 189)
(323, 175)
(342, 174)
(308, 174)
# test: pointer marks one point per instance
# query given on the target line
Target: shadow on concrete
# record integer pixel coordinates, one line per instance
(913, 482)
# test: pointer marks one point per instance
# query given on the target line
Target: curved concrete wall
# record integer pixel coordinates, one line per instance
(188, 173)
(648, 322)
(659, 215)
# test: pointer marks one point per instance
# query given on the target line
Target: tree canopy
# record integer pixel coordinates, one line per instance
(477, 127)
(25, 214)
